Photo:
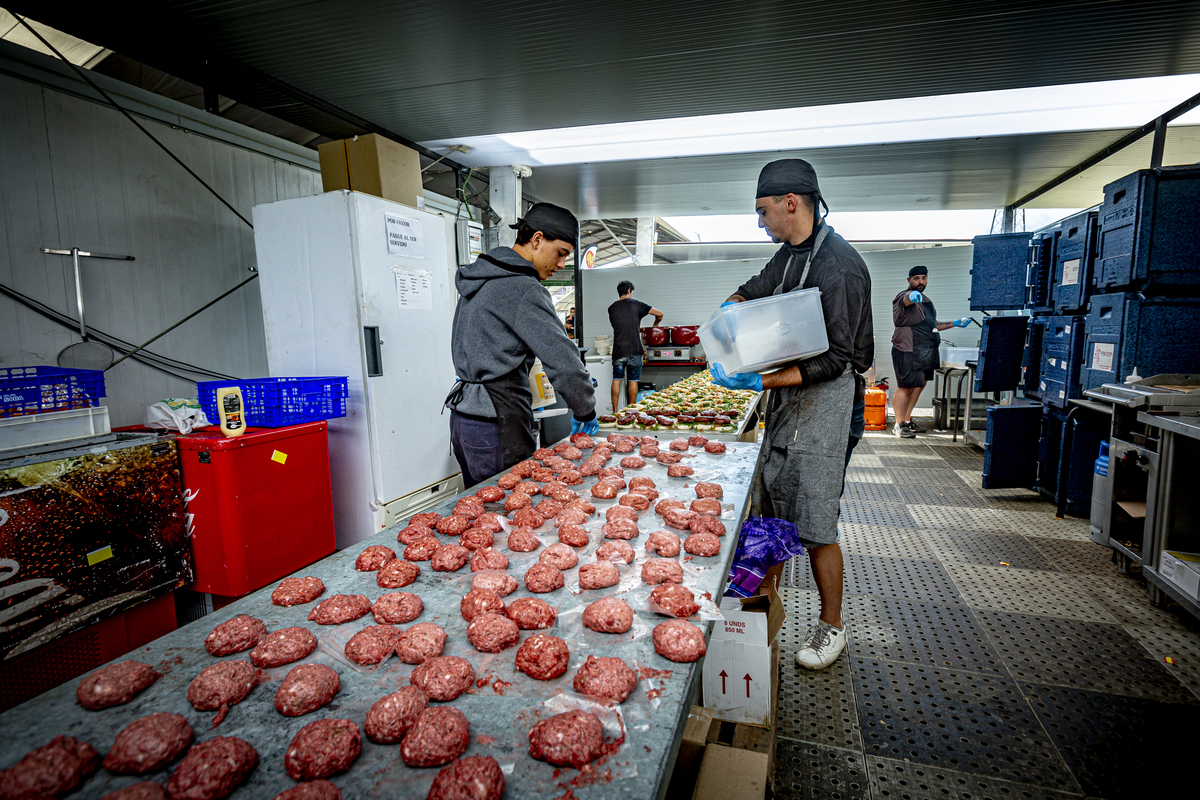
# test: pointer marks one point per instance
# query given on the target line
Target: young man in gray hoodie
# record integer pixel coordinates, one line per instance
(505, 319)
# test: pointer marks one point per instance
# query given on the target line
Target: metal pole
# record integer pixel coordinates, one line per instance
(578, 291)
(618, 241)
(1010, 213)
(1159, 144)
(78, 292)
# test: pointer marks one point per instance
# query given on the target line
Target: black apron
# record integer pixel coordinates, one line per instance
(926, 340)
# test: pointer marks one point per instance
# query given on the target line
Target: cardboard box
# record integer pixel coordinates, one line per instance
(727, 772)
(691, 752)
(373, 165)
(1183, 570)
(739, 672)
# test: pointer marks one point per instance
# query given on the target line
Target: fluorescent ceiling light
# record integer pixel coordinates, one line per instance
(1048, 109)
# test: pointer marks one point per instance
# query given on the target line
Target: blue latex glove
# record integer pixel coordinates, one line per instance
(915, 296)
(746, 380)
(590, 427)
(962, 322)
(729, 303)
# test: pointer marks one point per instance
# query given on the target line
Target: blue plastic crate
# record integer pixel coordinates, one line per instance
(1155, 335)
(1031, 361)
(277, 402)
(1062, 354)
(1087, 433)
(1001, 347)
(1150, 232)
(1074, 281)
(1011, 446)
(999, 264)
(36, 390)
(1043, 257)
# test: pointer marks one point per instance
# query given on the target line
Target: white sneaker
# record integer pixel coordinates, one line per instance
(822, 646)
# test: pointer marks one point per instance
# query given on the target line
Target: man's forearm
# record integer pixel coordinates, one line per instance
(944, 326)
(784, 377)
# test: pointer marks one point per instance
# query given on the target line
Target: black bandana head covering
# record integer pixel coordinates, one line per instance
(555, 222)
(915, 271)
(789, 176)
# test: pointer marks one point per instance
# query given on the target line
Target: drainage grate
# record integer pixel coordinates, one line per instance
(901, 578)
(942, 494)
(871, 492)
(1077, 558)
(915, 462)
(1019, 591)
(1087, 655)
(988, 549)
(925, 477)
(862, 513)
(956, 518)
(900, 780)
(1125, 600)
(1043, 523)
(1181, 646)
(942, 636)
(958, 720)
(816, 772)
(1017, 500)
(1119, 747)
(817, 706)
(878, 540)
(964, 461)
(859, 474)
(803, 606)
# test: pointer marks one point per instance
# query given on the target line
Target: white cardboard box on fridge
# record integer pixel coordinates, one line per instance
(738, 665)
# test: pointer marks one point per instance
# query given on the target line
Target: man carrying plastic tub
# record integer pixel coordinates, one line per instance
(802, 463)
(504, 319)
(914, 348)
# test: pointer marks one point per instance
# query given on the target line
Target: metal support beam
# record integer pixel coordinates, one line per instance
(1010, 214)
(504, 196)
(645, 241)
(1159, 144)
(618, 240)
(1115, 147)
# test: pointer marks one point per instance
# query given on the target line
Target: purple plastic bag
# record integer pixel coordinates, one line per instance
(762, 543)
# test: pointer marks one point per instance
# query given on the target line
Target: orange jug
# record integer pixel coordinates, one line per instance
(876, 410)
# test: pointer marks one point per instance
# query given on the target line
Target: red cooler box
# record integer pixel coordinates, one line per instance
(259, 505)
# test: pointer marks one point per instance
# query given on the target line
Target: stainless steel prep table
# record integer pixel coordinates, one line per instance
(653, 733)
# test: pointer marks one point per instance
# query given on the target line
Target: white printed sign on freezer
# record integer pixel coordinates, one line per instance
(414, 289)
(404, 235)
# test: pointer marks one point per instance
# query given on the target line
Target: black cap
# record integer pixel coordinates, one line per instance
(787, 176)
(555, 222)
(915, 271)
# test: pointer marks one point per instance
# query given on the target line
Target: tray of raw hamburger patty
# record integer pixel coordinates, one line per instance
(640, 735)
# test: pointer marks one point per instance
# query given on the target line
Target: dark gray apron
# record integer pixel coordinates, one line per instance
(926, 340)
(513, 401)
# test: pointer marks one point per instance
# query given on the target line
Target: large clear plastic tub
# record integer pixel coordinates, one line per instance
(759, 335)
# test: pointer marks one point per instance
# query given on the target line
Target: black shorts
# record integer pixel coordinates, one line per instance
(906, 376)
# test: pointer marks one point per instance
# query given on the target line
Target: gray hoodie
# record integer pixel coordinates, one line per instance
(502, 321)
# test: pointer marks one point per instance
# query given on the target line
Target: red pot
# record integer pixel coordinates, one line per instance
(655, 336)
(685, 335)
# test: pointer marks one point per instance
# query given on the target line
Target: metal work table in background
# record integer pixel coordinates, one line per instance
(500, 714)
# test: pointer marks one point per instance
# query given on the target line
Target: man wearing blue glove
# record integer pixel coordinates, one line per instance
(914, 348)
(504, 319)
(803, 456)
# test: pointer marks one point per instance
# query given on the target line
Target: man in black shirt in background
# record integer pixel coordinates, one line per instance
(625, 316)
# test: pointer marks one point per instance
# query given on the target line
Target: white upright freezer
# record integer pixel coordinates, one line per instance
(355, 285)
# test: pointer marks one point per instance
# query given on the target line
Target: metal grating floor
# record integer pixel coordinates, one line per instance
(992, 650)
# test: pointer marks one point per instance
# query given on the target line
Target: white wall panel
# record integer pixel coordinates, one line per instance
(688, 293)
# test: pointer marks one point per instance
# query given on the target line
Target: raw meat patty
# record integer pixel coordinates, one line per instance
(491, 633)
(427, 518)
(635, 500)
(542, 578)
(148, 743)
(599, 575)
(582, 441)
(496, 581)
(624, 446)
(443, 678)
(543, 657)
(235, 635)
(640, 481)
(573, 535)
(667, 457)
(705, 523)
(662, 570)
(477, 538)
(583, 505)
(528, 518)
(373, 558)
(678, 640)
(523, 540)
(667, 505)
(221, 685)
(450, 558)
(591, 467)
(605, 677)
(679, 445)
(306, 688)
(372, 645)
(714, 447)
(648, 492)
(283, 647)
(615, 551)
(392, 715)
(608, 615)
(322, 749)
(517, 500)
(455, 524)
(422, 549)
(508, 481)
(679, 518)
(213, 769)
(414, 533)
(53, 770)
(621, 512)
(439, 735)
(620, 529)
(604, 491)
(311, 790)
(702, 544)
(705, 489)
(570, 739)
(297, 591)
(340, 608)
(115, 684)
(697, 440)
(560, 555)
(633, 462)
(489, 522)
(144, 790)
(396, 574)
(532, 613)
(490, 494)
(548, 508)
(488, 558)
(469, 507)
(664, 543)
(480, 601)
(529, 488)
(679, 471)
(707, 505)
(570, 516)
(649, 451)
(420, 643)
(470, 778)
(674, 600)
(397, 608)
